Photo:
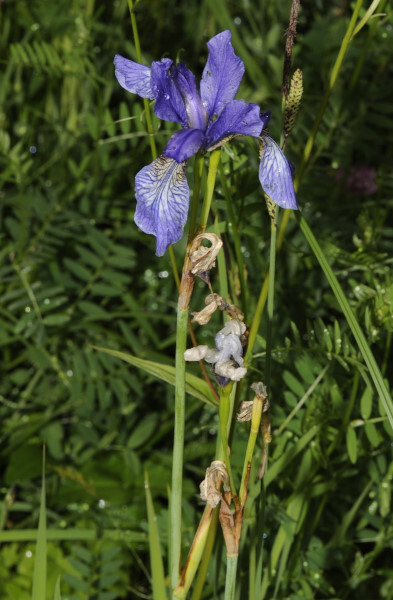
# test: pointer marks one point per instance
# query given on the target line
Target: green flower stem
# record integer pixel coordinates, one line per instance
(210, 183)
(198, 168)
(181, 337)
(225, 414)
(254, 432)
(364, 348)
(257, 319)
(178, 445)
(139, 58)
(230, 580)
(233, 228)
(270, 298)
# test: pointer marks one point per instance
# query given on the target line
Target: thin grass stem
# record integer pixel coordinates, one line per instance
(270, 298)
(149, 124)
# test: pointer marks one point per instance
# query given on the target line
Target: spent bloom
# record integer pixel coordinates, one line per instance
(209, 116)
(227, 357)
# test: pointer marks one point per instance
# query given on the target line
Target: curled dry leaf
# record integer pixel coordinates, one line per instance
(203, 258)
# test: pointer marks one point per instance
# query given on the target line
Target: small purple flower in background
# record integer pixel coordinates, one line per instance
(209, 117)
(360, 180)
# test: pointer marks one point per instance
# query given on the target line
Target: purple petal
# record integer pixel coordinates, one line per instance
(169, 102)
(162, 194)
(238, 117)
(275, 174)
(186, 83)
(222, 74)
(184, 144)
(133, 77)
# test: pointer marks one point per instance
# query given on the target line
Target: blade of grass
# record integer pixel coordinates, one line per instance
(57, 595)
(194, 385)
(39, 577)
(156, 562)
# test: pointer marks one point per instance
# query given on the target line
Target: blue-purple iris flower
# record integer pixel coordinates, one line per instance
(209, 117)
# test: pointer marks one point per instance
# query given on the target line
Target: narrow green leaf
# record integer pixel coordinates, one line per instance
(352, 445)
(39, 577)
(56, 319)
(57, 595)
(194, 385)
(156, 562)
(366, 403)
(143, 431)
(372, 8)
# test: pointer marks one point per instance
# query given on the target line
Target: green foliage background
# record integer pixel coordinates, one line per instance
(75, 272)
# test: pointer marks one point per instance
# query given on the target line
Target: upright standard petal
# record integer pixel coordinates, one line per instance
(275, 174)
(184, 144)
(237, 118)
(162, 194)
(169, 104)
(186, 83)
(133, 77)
(222, 74)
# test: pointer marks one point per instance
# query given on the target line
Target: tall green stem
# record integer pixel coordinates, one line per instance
(210, 183)
(270, 297)
(181, 337)
(178, 445)
(198, 167)
(225, 421)
(230, 580)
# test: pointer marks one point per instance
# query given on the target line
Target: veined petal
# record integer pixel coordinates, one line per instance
(186, 83)
(184, 144)
(275, 174)
(169, 102)
(222, 74)
(237, 118)
(133, 77)
(162, 194)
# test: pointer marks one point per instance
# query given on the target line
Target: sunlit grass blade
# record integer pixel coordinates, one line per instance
(57, 595)
(156, 562)
(39, 577)
(364, 348)
(369, 13)
(194, 385)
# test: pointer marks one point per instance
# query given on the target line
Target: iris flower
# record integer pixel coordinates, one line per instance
(209, 116)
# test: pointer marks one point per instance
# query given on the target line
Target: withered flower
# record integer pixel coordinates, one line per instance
(216, 476)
